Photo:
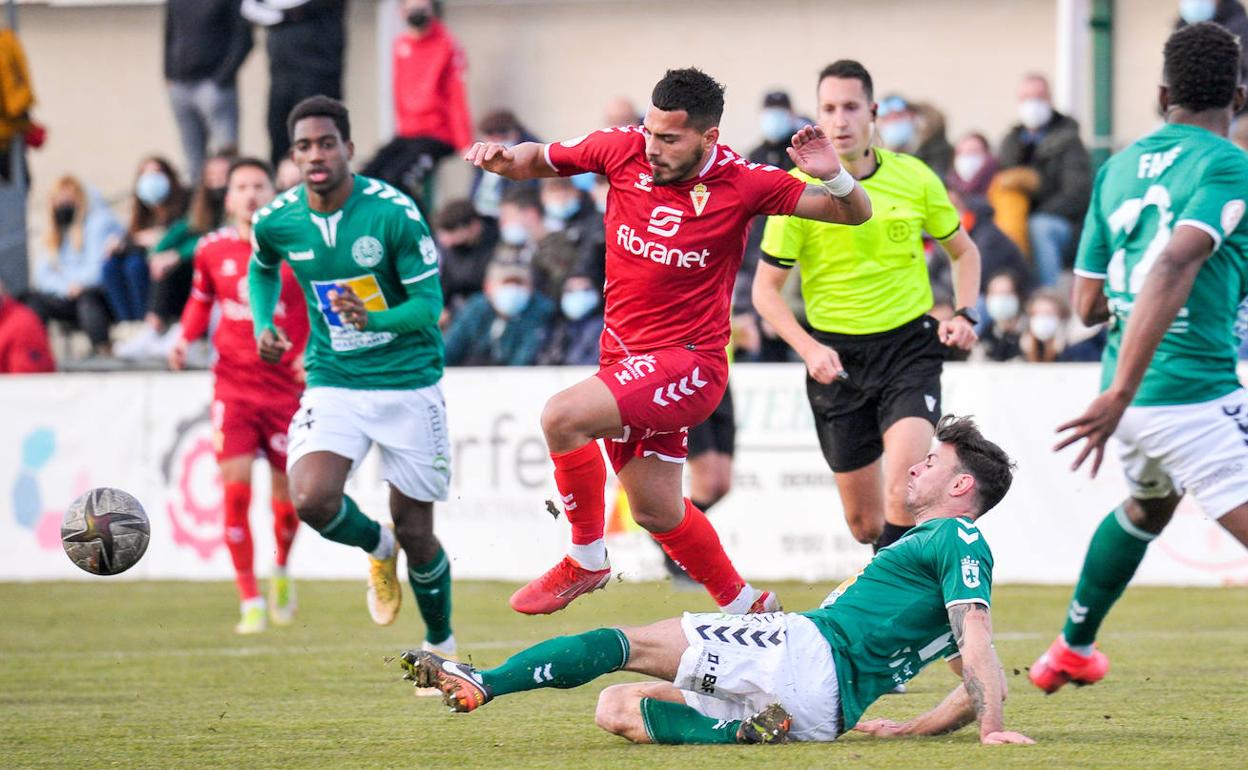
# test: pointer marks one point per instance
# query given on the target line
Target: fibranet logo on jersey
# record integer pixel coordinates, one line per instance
(664, 221)
(628, 239)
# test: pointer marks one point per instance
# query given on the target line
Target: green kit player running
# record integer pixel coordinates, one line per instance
(1164, 258)
(808, 676)
(369, 269)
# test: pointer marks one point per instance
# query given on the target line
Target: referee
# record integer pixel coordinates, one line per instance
(873, 357)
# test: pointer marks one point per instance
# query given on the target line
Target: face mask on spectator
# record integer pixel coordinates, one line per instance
(514, 234)
(418, 18)
(152, 188)
(1196, 11)
(968, 165)
(564, 210)
(897, 133)
(1034, 113)
(1002, 307)
(509, 299)
(776, 124)
(63, 214)
(577, 304)
(1043, 327)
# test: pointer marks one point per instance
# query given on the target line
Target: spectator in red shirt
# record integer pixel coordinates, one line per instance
(430, 106)
(23, 341)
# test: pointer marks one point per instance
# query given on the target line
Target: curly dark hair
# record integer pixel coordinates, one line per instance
(320, 107)
(1202, 67)
(695, 92)
(988, 463)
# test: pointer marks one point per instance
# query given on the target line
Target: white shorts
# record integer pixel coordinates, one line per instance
(737, 665)
(1200, 449)
(408, 426)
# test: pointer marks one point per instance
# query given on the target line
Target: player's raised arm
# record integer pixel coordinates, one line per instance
(526, 160)
(839, 198)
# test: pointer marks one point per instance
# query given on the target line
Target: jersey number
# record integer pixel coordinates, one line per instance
(1124, 220)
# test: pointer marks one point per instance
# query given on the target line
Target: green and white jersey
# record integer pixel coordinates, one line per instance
(379, 245)
(1179, 175)
(892, 619)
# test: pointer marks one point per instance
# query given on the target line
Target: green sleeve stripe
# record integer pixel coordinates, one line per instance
(255, 257)
(783, 264)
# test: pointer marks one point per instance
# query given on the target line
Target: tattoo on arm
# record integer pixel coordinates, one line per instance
(974, 688)
(957, 621)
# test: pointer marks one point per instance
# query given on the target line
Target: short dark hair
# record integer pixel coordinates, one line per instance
(1202, 67)
(523, 197)
(991, 467)
(691, 90)
(850, 69)
(498, 122)
(320, 107)
(455, 214)
(249, 162)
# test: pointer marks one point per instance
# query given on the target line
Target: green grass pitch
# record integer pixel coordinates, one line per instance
(150, 675)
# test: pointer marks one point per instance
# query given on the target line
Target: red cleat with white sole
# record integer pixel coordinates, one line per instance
(558, 587)
(1060, 664)
(766, 601)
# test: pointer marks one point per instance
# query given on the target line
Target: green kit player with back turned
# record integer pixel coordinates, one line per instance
(369, 269)
(1164, 258)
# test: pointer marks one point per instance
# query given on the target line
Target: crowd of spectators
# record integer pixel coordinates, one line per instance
(523, 263)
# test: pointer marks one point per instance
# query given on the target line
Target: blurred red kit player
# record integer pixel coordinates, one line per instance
(678, 211)
(252, 402)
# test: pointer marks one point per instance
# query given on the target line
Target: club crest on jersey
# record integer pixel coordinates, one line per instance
(700, 195)
(366, 251)
(644, 182)
(428, 251)
(970, 572)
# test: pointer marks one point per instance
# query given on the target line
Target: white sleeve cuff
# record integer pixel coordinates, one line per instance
(549, 162)
(1212, 232)
(1089, 274)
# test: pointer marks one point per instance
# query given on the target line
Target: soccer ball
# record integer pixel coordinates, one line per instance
(105, 532)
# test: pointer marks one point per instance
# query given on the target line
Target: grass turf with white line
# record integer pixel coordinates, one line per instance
(149, 674)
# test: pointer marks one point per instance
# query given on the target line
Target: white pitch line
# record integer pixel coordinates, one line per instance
(501, 644)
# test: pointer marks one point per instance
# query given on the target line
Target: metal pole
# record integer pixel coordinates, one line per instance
(1102, 24)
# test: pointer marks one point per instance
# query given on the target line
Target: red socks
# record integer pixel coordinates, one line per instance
(238, 538)
(695, 545)
(581, 476)
(285, 525)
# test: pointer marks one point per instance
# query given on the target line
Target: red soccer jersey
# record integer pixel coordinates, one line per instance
(673, 251)
(221, 275)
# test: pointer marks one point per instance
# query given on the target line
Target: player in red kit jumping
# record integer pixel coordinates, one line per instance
(678, 210)
(252, 402)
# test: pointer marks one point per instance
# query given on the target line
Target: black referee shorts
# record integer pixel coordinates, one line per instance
(893, 374)
(717, 433)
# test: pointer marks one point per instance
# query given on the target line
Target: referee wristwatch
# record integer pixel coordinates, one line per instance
(969, 314)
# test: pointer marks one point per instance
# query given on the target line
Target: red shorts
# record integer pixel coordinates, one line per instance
(241, 428)
(661, 394)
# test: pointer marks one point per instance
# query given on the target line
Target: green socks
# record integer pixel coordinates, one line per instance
(431, 583)
(1115, 552)
(352, 527)
(562, 662)
(668, 722)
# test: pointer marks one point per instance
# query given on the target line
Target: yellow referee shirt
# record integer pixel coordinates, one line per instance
(872, 277)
